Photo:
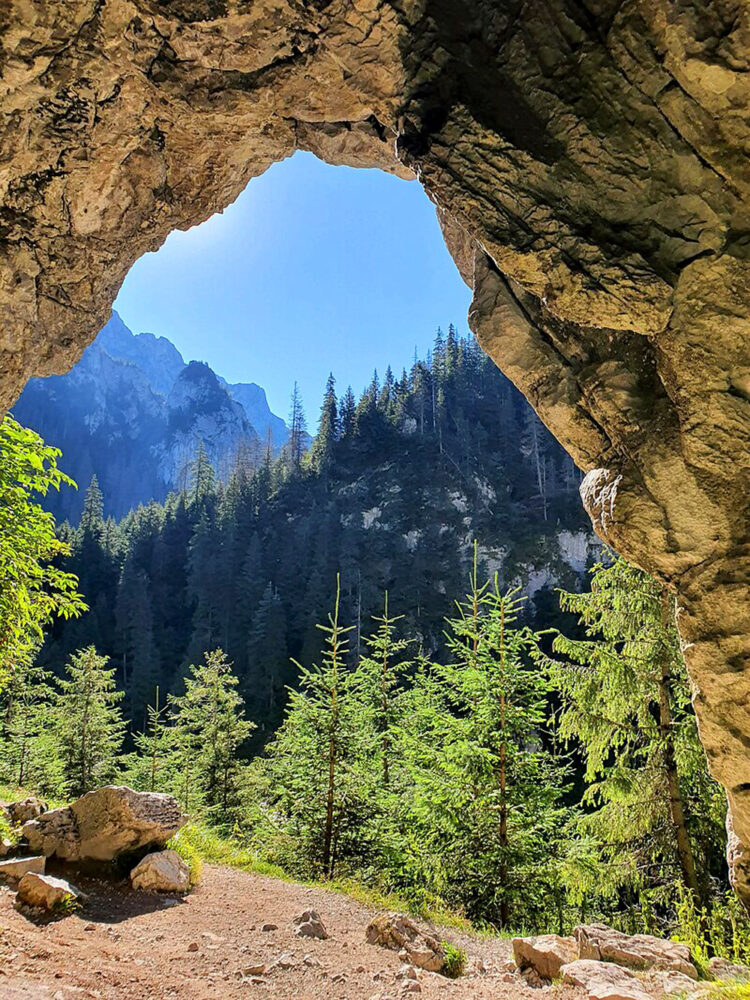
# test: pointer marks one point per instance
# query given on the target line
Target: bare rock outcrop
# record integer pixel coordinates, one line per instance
(726, 971)
(104, 824)
(162, 871)
(400, 933)
(546, 953)
(636, 951)
(589, 163)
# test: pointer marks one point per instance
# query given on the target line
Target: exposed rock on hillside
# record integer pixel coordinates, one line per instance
(590, 166)
(133, 413)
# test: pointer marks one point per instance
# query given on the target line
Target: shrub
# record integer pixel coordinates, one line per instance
(454, 963)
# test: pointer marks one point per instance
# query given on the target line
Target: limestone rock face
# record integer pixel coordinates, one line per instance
(104, 824)
(45, 892)
(400, 933)
(636, 951)
(163, 871)
(546, 953)
(589, 166)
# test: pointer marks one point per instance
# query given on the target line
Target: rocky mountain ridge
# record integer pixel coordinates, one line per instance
(132, 413)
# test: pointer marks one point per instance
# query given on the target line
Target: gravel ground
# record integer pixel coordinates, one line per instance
(134, 946)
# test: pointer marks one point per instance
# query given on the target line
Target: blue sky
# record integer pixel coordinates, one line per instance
(313, 269)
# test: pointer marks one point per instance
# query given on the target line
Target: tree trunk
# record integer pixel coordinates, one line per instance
(677, 811)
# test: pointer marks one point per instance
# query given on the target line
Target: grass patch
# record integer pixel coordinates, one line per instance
(199, 844)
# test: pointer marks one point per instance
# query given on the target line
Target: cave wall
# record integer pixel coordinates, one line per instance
(589, 164)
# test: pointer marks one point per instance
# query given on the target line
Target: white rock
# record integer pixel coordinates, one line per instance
(104, 824)
(636, 951)
(309, 924)
(546, 953)
(164, 871)
(15, 868)
(603, 980)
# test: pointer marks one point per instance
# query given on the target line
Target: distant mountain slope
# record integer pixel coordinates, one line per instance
(132, 413)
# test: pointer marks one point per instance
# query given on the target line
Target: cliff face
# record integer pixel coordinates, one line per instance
(589, 165)
(132, 413)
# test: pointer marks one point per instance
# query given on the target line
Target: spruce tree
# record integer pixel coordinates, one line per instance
(153, 767)
(625, 701)
(209, 730)
(29, 756)
(315, 771)
(321, 452)
(490, 800)
(88, 722)
(383, 669)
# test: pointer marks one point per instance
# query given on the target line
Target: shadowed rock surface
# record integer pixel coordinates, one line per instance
(589, 165)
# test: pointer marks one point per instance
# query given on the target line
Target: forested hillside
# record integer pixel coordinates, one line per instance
(394, 490)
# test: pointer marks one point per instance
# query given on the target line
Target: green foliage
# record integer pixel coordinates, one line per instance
(208, 730)
(454, 962)
(29, 753)
(87, 722)
(246, 561)
(487, 789)
(315, 771)
(33, 590)
(625, 705)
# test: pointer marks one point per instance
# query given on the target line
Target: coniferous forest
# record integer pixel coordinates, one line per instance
(331, 658)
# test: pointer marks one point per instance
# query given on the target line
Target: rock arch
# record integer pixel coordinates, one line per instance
(588, 160)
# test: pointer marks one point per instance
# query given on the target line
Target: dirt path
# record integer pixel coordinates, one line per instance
(133, 946)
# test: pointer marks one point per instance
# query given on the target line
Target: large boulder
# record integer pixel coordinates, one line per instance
(603, 981)
(636, 951)
(44, 892)
(25, 809)
(104, 824)
(164, 871)
(401, 933)
(546, 953)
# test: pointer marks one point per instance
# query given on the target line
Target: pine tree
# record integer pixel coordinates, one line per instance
(295, 446)
(626, 703)
(210, 729)
(267, 657)
(153, 766)
(313, 773)
(29, 755)
(88, 722)
(383, 670)
(490, 797)
(347, 414)
(321, 453)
